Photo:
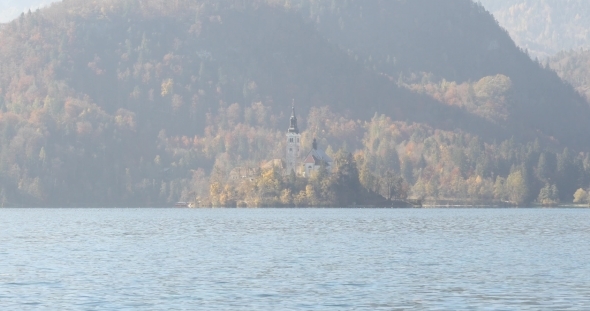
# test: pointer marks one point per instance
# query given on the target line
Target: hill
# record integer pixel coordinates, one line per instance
(141, 103)
(544, 27)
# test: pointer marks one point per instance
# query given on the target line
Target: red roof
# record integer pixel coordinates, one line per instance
(317, 156)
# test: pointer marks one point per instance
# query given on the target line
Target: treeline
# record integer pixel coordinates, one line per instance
(443, 165)
(439, 165)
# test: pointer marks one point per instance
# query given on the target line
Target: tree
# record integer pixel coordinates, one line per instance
(517, 188)
(394, 162)
(407, 170)
(543, 168)
(311, 195)
(581, 196)
(214, 193)
(346, 179)
(567, 174)
(499, 189)
(269, 186)
(548, 195)
(389, 184)
(286, 197)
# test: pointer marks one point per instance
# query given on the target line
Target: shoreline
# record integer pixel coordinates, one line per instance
(424, 206)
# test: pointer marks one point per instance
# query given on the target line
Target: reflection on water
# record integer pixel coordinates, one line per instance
(294, 259)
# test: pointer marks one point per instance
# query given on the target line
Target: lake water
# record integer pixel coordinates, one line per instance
(295, 259)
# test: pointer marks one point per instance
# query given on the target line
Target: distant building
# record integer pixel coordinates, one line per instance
(293, 162)
(293, 144)
(314, 160)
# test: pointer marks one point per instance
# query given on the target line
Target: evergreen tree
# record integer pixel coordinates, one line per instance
(407, 170)
(543, 168)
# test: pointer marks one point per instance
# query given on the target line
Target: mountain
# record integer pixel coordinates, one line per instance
(544, 27)
(128, 102)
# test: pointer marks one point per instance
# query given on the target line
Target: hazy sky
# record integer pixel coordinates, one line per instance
(10, 9)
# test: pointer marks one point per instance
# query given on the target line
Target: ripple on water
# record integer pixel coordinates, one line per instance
(293, 259)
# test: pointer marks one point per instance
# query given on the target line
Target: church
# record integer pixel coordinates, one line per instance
(311, 161)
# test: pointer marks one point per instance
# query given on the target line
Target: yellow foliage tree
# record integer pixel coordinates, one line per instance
(286, 197)
(167, 87)
(581, 196)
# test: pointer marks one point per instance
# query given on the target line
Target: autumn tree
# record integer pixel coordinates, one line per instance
(516, 187)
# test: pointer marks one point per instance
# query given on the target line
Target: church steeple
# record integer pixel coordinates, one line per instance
(293, 143)
(293, 127)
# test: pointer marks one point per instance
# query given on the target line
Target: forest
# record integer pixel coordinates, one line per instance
(145, 103)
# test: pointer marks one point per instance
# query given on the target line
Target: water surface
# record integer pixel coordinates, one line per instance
(294, 259)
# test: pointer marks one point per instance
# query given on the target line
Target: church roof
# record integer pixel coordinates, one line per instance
(317, 156)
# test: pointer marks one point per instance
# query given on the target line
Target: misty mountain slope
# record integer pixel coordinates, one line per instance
(283, 57)
(458, 41)
(171, 71)
(544, 27)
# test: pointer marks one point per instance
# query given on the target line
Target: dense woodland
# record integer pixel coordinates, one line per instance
(145, 103)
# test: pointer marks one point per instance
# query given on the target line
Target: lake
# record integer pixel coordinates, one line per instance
(294, 259)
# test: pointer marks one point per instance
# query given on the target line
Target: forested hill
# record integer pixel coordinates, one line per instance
(544, 27)
(98, 97)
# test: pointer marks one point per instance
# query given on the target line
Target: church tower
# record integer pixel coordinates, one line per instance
(293, 142)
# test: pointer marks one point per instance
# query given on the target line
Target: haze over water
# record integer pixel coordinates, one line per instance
(294, 259)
